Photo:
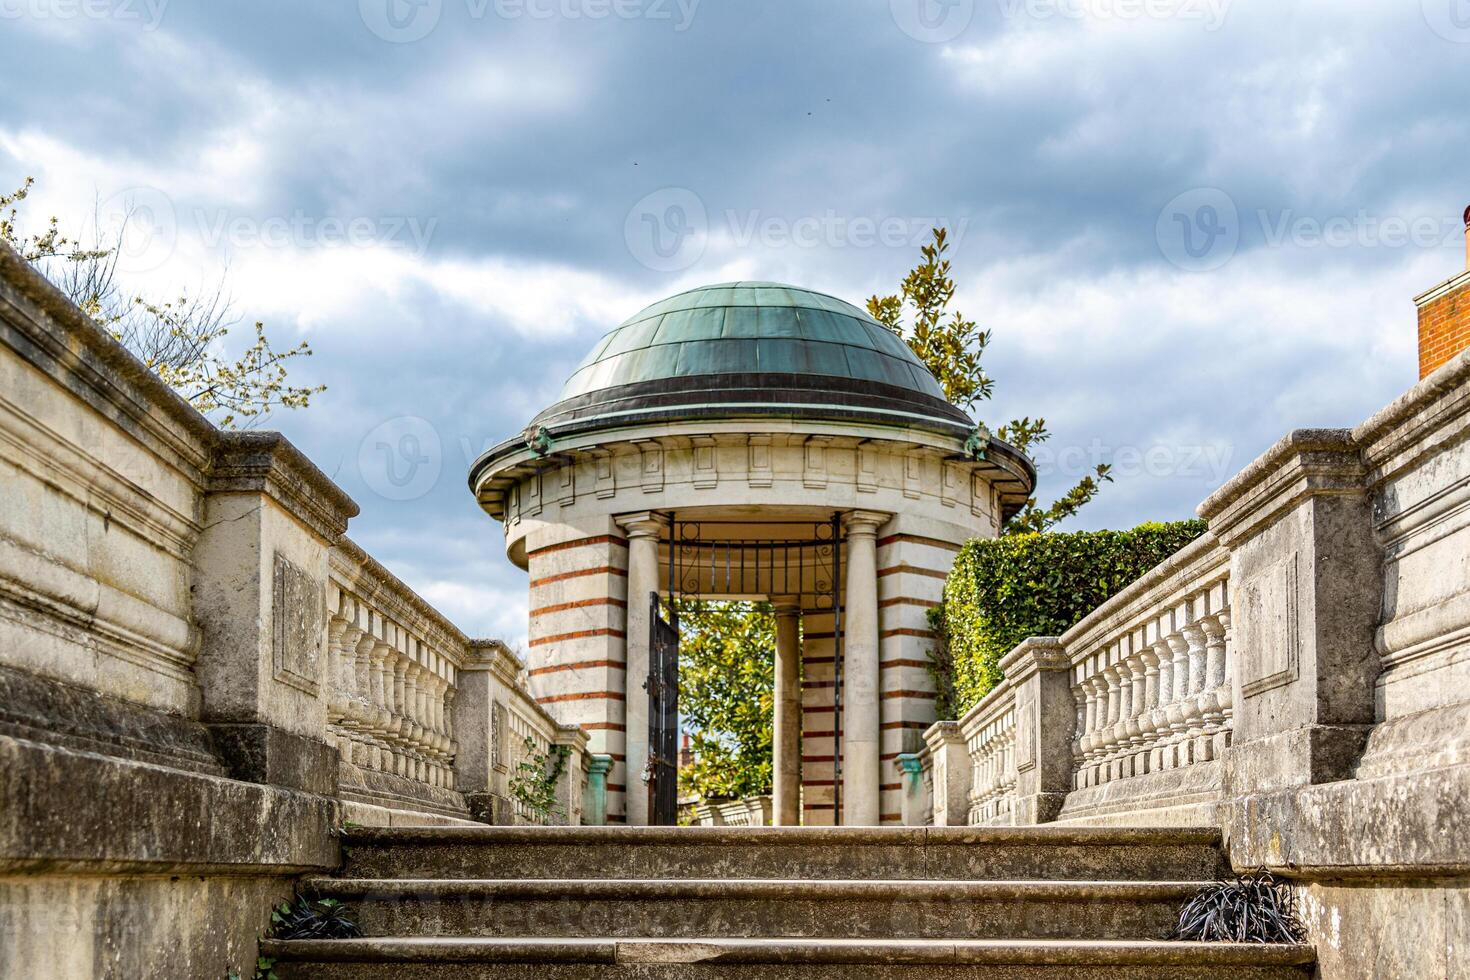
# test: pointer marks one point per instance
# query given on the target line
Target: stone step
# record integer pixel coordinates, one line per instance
(781, 959)
(952, 853)
(741, 908)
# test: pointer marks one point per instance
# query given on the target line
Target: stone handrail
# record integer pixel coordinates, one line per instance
(1151, 671)
(393, 668)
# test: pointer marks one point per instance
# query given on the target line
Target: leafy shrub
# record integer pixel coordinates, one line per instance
(1254, 908)
(1003, 590)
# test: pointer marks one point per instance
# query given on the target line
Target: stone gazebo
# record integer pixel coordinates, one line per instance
(749, 440)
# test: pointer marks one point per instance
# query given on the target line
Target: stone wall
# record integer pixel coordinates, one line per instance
(201, 677)
(1300, 677)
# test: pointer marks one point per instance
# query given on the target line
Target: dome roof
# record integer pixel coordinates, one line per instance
(751, 348)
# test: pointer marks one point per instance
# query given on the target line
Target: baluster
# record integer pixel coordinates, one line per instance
(1212, 701)
(415, 729)
(1097, 739)
(1226, 690)
(1159, 718)
(1148, 716)
(1133, 677)
(1194, 712)
(331, 683)
(401, 724)
(1175, 710)
(366, 754)
(381, 716)
(451, 747)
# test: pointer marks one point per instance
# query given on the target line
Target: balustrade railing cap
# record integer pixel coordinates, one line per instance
(1305, 463)
(941, 733)
(267, 462)
(1033, 654)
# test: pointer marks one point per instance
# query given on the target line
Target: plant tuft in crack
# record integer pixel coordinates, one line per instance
(1253, 908)
(313, 918)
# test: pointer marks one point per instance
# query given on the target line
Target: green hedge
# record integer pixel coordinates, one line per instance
(1003, 590)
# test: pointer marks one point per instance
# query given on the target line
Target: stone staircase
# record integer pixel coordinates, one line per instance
(691, 903)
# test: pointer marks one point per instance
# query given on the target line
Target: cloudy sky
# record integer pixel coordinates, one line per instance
(1192, 224)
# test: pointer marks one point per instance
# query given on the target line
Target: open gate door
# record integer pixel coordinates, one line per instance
(663, 718)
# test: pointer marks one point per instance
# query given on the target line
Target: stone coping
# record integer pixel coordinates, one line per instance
(94, 366)
(268, 462)
(1401, 433)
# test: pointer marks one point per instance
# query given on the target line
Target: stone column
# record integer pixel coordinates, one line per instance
(644, 529)
(910, 766)
(861, 776)
(594, 814)
(786, 740)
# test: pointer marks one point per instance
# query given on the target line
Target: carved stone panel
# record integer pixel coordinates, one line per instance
(498, 760)
(760, 461)
(706, 463)
(814, 468)
(1270, 630)
(297, 618)
(1026, 735)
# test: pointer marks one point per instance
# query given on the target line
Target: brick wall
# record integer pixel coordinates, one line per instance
(1444, 324)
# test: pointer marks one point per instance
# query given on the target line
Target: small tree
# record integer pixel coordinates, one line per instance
(727, 663)
(180, 340)
(952, 348)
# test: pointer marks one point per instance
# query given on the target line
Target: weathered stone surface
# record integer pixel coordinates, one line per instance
(695, 908)
(771, 959)
(779, 852)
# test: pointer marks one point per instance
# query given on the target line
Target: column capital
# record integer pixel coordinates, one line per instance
(786, 605)
(644, 523)
(864, 523)
(599, 765)
(909, 763)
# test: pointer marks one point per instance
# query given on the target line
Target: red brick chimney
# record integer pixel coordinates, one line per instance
(1444, 316)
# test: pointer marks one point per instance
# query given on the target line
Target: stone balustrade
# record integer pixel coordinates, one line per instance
(392, 670)
(1151, 672)
(990, 740)
(754, 811)
(1092, 722)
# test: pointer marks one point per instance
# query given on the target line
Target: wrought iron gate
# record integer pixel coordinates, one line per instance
(663, 715)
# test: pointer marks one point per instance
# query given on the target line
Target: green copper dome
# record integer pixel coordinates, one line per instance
(751, 348)
(750, 328)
